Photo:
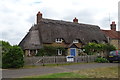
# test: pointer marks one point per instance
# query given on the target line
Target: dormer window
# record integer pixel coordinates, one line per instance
(58, 40)
(76, 41)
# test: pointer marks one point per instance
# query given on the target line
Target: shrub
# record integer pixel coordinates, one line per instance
(50, 51)
(101, 60)
(13, 58)
(5, 46)
(92, 48)
(110, 47)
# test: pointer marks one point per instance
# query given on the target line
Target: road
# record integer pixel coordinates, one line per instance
(16, 73)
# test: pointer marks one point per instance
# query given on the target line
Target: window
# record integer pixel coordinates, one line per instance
(59, 40)
(76, 41)
(59, 52)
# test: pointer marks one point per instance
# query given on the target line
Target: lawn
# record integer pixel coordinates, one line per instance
(61, 75)
(105, 72)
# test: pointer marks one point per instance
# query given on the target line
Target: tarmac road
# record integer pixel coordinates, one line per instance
(16, 73)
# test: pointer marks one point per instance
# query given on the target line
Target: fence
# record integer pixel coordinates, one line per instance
(57, 60)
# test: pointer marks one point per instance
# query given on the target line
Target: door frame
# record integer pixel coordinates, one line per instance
(74, 49)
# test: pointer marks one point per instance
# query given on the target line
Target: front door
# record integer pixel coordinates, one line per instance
(73, 52)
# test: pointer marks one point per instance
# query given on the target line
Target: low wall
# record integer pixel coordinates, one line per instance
(56, 60)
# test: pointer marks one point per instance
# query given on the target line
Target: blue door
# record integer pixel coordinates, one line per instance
(72, 52)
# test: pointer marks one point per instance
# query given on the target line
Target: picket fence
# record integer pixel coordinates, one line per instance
(57, 60)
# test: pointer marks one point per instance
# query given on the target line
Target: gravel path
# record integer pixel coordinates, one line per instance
(16, 73)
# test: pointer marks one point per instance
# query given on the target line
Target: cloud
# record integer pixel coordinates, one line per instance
(17, 16)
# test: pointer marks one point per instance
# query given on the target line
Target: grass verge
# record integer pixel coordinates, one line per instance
(60, 75)
(52, 65)
(105, 72)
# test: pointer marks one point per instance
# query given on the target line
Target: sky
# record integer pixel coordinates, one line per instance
(17, 16)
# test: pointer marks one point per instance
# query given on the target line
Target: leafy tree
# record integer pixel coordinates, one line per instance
(13, 58)
(5, 46)
(90, 48)
(93, 48)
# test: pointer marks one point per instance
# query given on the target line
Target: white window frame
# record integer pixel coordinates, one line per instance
(36, 51)
(59, 52)
(58, 40)
(76, 41)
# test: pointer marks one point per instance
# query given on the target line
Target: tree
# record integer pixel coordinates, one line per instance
(5, 46)
(13, 58)
(93, 48)
(90, 48)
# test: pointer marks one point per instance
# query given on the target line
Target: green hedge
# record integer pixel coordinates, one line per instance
(13, 58)
(101, 60)
(50, 51)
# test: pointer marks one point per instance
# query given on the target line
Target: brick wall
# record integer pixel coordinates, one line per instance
(115, 43)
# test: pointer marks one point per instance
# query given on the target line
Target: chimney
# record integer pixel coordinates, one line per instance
(39, 17)
(75, 20)
(113, 26)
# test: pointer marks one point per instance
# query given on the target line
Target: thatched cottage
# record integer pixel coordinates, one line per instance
(70, 35)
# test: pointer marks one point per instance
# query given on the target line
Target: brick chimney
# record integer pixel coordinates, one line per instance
(39, 17)
(113, 26)
(75, 20)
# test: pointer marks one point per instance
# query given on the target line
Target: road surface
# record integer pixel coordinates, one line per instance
(16, 73)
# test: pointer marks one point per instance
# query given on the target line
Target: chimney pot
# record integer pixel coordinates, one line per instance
(39, 14)
(113, 26)
(39, 17)
(113, 22)
(75, 20)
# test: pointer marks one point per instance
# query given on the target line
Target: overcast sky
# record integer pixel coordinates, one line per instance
(17, 16)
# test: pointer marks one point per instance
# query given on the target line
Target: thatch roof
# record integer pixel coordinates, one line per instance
(31, 40)
(48, 30)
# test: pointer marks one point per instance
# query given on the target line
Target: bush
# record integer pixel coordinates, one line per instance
(5, 46)
(92, 48)
(50, 51)
(110, 47)
(101, 60)
(13, 58)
